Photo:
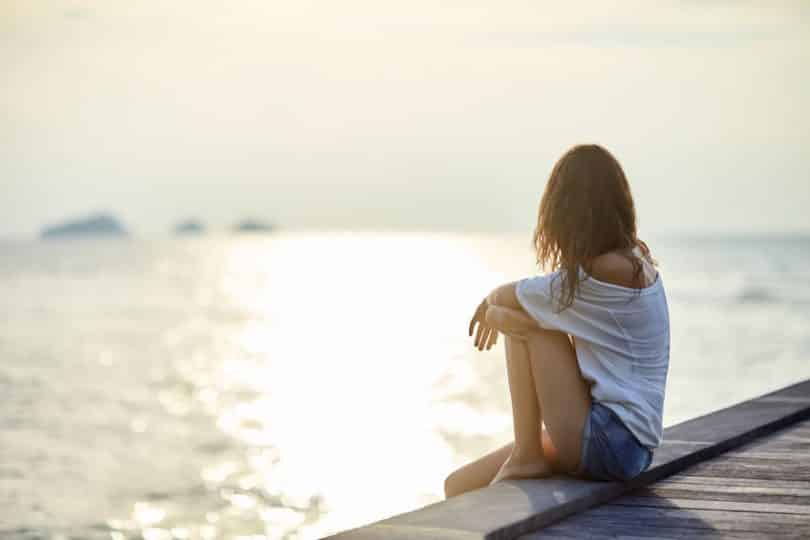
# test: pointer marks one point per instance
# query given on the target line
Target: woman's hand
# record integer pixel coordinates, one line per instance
(510, 322)
(485, 336)
(500, 312)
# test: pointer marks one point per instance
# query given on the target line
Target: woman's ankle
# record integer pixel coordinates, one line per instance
(526, 454)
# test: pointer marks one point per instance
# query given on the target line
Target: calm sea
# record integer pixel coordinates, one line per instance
(295, 385)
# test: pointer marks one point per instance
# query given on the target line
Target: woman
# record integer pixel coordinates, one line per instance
(587, 345)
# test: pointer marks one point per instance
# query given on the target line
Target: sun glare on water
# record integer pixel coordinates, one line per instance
(345, 372)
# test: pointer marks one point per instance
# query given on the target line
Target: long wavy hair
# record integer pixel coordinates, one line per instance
(586, 210)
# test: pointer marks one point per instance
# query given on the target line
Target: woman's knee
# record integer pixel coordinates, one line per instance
(542, 338)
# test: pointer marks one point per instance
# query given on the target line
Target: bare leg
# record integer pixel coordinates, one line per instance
(526, 458)
(552, 360)
(563, 395)
(526, 413)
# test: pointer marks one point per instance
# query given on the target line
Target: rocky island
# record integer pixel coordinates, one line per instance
(98, 224)
(252, 226)
(189, 227)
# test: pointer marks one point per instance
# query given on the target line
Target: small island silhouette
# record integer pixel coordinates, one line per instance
(252, 226)
(105, 224)
(189, 227)
(96, 224)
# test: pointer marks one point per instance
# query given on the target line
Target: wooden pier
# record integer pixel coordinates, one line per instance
(741, 472)
(761, 490)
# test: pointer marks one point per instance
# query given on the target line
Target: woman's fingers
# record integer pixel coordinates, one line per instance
(478, 316)
(478, 333)
(483, 339)
(487, 337)
(493, 338)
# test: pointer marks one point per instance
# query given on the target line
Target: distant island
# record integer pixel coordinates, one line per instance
(252, 226)
(98, 224)
(189, 227)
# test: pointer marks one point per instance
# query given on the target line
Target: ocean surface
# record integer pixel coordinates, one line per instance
(294, 385)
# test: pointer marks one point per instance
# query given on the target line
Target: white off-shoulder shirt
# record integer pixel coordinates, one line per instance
(621, 339)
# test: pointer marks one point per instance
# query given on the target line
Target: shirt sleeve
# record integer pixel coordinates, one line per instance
(534, 295)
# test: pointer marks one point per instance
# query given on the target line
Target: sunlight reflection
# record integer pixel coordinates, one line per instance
(350, 350)
(146, 514)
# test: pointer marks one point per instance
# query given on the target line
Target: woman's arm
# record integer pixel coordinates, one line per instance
(500, 311)
(505, 313)
(504, 296)
(511, 322)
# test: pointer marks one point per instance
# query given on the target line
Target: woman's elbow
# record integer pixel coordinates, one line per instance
(504, 296)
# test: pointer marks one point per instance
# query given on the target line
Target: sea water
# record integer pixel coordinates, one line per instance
(297, 384)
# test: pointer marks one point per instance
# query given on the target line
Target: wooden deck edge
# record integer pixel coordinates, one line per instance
(512, 508)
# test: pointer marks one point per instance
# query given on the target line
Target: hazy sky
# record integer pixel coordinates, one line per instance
(410, 114)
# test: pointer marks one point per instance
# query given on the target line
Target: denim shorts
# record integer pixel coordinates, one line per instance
(610, 451)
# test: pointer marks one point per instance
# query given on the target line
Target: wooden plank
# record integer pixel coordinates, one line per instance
(797, 438)
(630, 520)
(770, 469)
(706, 504)
(783, 442)
(788, 399)
(785, 487)
(802, 431)
(613, 510)
(800, 436)
(738, 495)
(771, 453)
(557, 532)
(377, 531)
(787, 439)
(736, 419)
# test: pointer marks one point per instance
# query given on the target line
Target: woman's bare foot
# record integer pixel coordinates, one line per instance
(522, 467)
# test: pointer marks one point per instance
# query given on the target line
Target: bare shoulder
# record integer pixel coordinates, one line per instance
(612, 267)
